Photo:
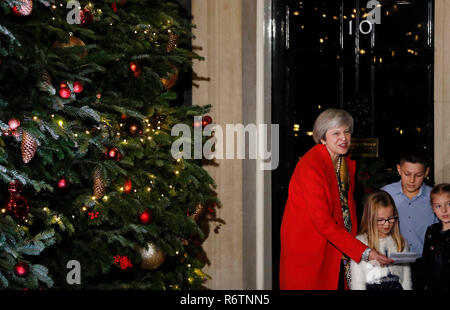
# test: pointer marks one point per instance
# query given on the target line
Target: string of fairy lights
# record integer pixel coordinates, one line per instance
(142, 31)
(56, 218)
(139, 29)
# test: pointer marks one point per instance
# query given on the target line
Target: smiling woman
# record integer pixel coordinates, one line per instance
(319, 223)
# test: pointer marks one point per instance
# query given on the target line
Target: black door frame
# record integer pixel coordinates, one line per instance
(280, 107)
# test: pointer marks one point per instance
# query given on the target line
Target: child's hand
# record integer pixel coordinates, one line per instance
(383, 260)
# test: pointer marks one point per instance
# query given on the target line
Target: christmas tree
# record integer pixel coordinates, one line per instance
(93, 196)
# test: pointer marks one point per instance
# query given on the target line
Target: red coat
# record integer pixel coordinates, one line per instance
(313, 236)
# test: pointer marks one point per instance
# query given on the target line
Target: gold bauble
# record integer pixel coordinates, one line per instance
(152, 256)
(171, 80)
(73, 41)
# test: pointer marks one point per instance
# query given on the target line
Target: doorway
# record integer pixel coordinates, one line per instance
(327, 54)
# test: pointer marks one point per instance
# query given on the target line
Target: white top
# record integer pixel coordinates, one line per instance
(371, 272)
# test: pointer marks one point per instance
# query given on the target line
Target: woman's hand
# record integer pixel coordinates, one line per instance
(380, 258)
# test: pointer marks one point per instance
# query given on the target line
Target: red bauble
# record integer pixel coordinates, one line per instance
(137, 73)
(212, 208)
(18, 206)
(16, 10)
(77, 87)
(63, 84)
(133, 66)
(118, 157)
(15, 187)
(64, 92)
(206, 120)
(63, 183)
(13, 123)
(21, 269)
(24, 9)
(112, 152)
(145, 217)
(136, 69)
(86, 17)
(127, 186)
(133, 129)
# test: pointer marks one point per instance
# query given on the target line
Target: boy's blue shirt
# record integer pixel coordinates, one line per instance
(415, 215)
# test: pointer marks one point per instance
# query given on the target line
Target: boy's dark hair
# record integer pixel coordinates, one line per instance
(415, 157)
(439, 189)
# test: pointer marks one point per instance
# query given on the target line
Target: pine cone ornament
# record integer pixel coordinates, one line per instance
(46, 78)
(173, 41)
(29, 147)
(45, 83)
(99, 184)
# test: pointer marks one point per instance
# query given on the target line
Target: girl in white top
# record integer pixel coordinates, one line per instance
(380, 230)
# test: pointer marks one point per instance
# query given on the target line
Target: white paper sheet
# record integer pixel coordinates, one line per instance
(404, 258)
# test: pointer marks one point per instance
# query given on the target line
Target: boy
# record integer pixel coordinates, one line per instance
(412, 199)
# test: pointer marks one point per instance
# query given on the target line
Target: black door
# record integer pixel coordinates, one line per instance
(371, 58)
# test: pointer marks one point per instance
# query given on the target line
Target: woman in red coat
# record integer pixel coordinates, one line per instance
(319, 222)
